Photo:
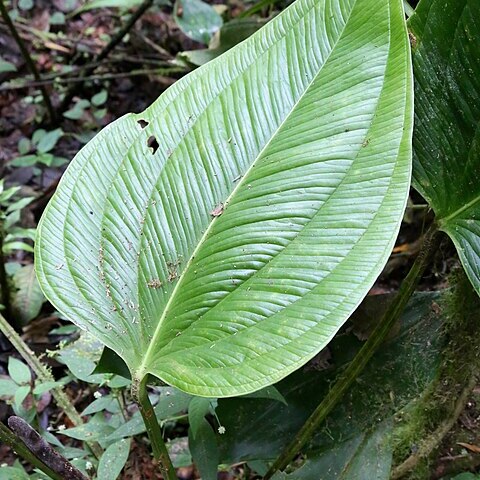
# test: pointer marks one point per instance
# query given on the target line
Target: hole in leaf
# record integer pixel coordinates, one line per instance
(142, 123)
(152, 143)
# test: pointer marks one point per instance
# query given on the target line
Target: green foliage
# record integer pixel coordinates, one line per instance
(197, 410)
(227, 37)
(265, 195)
(38, 150)
(10, 211)
(6, 66)
(221, 238)
(204, 450)
(113, 460)
(19, 372)
(460, 362)
(27, 297)
(367, 456)
(447, 106)
(77, 111)
(92, 4)
(197, 19)
(21, 385)
(396, 376)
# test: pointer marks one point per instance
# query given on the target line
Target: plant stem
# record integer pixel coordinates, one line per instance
(377, 337)
(154, 431)
(116, 39)
(10, 439)
(28, 59)
(44, 375)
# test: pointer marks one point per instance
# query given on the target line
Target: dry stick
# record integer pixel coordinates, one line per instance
(43, 451)
(160, 452)
(10, 439)
(161, 72)
(44, 375)
(105, 52)
(28, 59)
(377, 337)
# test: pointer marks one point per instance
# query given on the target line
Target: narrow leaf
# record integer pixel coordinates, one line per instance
(197, 409)
(19, 372)
(114, 459)
(204, 450)
(28, 297)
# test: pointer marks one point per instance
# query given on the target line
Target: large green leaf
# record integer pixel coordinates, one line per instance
(447, 133)
(220, 239)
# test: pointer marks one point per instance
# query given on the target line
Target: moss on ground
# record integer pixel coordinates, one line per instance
(423, 424)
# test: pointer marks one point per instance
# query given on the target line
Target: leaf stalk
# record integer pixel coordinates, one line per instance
(160, 452)
(430, 244)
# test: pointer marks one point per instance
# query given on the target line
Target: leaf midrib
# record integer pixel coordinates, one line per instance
(458, 212)
(143, 366)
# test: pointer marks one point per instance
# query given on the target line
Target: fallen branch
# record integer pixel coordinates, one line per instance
(10, 439)
(28, 59)
(43, 451)
(116, 39)
(44, 376)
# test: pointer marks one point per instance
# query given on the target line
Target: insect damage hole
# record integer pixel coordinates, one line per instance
(143, 123)
(152, 143)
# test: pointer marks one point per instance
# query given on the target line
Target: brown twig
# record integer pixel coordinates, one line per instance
(43, 451)
(10, 439)
(44, 375)
(116, 39)
(28, 59)
(162, 71)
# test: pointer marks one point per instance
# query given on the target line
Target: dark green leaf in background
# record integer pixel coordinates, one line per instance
(197, 410)
(446, 35)
(197, 19)
(204, 450)
(227, 37)
(28, 297)
(113, 460)
(365, 457)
